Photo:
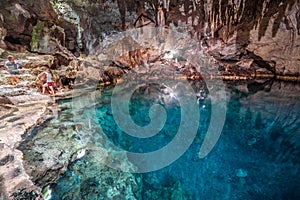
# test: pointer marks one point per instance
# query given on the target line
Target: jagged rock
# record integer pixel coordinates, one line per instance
(33, 26)
(113, 73)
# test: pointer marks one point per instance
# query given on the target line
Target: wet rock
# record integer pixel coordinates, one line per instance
(241, 173)
(23, 194)
(6, 160)
(48, 161)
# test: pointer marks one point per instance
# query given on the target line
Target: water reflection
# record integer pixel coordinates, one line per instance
(256, 157)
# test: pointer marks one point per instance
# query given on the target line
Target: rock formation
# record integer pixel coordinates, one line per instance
(256, 38)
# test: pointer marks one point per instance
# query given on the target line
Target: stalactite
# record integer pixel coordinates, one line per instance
(122, 10)
(210, 21)
(232, 12)
(166, 4)
(186, 6)
(221, 11)
(292, 31)
(160, 17)
(195, 12)
(202, 17)
(215, 16)
(227, 22)
(194, 5)
(298, 21)
(240, 10)
(279, 19)
(212, 26)
(268, 13)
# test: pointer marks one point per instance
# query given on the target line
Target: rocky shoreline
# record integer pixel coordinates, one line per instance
(19, 115)
(22, 109)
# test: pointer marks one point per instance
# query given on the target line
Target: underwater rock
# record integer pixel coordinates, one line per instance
(23, 194)
(241, 173)
(251, 141)
(47, 161)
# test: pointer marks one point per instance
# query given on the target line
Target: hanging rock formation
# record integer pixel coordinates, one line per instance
(256, 37)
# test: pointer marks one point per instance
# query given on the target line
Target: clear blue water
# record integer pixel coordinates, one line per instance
(256, 157)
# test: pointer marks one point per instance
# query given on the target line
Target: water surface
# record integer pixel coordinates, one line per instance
(256, 157)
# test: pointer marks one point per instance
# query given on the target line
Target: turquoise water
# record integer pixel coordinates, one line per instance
(256, 157)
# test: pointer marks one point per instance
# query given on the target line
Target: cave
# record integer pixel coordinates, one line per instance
(153, 99)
